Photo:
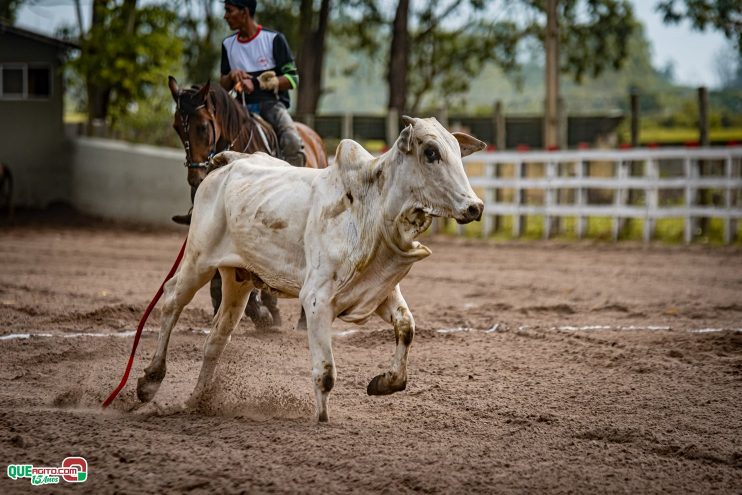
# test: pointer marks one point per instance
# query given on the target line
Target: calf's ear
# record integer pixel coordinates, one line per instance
(404, 142)
(468, 144)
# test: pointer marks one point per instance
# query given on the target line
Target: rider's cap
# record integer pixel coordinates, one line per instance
(250, 5)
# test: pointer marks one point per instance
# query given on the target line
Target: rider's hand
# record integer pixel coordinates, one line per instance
(268, 81)
(245, 85)
(242, 81)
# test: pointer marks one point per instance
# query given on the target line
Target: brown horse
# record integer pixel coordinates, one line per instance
(208, 120)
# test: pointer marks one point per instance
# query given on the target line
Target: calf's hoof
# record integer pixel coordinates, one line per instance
(148, 384)
(385, 384)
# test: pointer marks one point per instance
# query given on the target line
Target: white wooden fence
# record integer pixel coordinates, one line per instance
(568, 170)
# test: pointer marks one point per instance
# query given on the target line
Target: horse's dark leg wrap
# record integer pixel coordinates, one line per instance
(216, 291)
(259, 314)
(271, 302)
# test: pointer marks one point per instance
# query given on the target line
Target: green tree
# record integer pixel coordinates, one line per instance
(202, 25)
(446, 54)
(126, 52)
(594, 34)
(724, 15)
(9, 9)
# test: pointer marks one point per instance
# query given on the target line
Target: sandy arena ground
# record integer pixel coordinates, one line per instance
(536, 368)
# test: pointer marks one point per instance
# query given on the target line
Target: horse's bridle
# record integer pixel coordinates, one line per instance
(184, 117)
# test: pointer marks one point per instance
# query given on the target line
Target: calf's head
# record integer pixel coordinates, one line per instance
(431, 172)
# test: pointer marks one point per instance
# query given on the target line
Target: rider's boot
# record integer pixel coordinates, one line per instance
(183, 219)
(297, 160)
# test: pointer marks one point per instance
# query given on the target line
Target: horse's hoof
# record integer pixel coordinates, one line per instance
(263, 318)
(383, 385)
(276, 318)
(301, 325)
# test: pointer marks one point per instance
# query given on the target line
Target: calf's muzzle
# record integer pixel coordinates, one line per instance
(472, 212)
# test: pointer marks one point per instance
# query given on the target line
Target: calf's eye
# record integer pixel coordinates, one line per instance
(432, 154)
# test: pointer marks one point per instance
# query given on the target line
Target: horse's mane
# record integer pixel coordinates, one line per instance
(232, 117)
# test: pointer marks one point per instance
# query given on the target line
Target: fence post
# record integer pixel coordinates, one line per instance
(392, 126)
(499, 121)
(490, 221)
(308, 119)
(442, 116)
(347, 127)
(703, 116)
(620, 199)
(730, 224)
(563, 131)
(634, 104)
(691, 174)
(652, 198)
(549, 197)
(580, 197)
(518, 219)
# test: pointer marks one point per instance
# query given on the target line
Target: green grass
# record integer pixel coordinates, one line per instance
(667, 230)
(661, 135)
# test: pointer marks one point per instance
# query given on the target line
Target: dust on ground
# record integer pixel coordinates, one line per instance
(535, 368)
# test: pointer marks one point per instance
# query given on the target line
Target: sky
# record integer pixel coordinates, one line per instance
(692, 53)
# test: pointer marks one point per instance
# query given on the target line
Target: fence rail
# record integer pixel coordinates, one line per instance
(704, 176)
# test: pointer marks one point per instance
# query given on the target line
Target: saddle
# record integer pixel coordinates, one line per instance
(262, 125)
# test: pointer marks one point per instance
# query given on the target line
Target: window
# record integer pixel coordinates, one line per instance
(39, 82)
(25, 81)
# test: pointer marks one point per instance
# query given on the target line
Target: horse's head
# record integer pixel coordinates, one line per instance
(197, 127)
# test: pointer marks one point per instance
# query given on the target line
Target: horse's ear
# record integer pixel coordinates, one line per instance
(174, 89)
(205, 89)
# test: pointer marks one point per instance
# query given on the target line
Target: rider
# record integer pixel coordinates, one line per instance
(258, 64)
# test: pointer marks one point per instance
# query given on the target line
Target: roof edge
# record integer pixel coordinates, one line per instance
(6, 27)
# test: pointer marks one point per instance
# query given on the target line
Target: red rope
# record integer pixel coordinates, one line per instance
(138, 335)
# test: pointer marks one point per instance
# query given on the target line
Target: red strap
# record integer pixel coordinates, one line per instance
(138, 335)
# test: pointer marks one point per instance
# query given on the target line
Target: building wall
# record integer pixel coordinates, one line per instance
(31, 131)
(123, 181)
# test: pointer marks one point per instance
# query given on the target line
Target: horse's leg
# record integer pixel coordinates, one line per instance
(302, 323)
(236, 288)
(178, 292)
(257, 312)
(261, 316)
(271, 302)
(395, 310)
(215, 290)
